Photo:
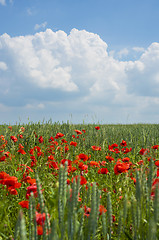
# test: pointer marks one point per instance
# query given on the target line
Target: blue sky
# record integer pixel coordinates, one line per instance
(87, 60)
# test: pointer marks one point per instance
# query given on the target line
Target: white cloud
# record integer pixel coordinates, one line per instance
(40, 26)
(11, 2)
(3, 2)
(138, 49)
(123, 52)
(52, 71)
(29, 11)
(3, 66)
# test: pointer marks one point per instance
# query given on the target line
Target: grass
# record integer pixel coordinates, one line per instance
(85, 184)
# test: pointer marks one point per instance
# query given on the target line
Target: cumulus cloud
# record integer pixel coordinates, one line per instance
(138, 49)
(38, 26)
(123, 52)
(3, 66)
(3, 2)
(52, 71)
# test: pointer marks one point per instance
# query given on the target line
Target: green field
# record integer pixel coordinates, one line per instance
(85, 181)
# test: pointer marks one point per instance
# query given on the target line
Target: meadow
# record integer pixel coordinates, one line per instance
(83, 181)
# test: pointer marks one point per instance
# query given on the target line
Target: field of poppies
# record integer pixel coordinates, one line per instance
(86, 181)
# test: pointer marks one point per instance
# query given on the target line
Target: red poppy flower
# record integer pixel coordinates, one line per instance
(97, 127)
(53, 165)
(59, 135)
(143, 151)
(21, 151)
(87, 211)
(66, 148)
(83, 157)
(94, 163)
(126, 150)
(82, 179)
(73, 143)
(82, 166)
(37, 148)
(154, 185)
(71, 169)
(126, 159)
(51, 139)
(69, 162)
(33, 189)
(22, 129)
(14, 139)
(155, 146)
(103, 171)
(109, 158)
(157, 163)
(63, 140)
(41, 139)
(11, 181)
(114, 145)
(78, 132)
(102, 209)
(113, 148)
(123, 143)
(13, 191)
(40, 218)
(3, 175)
(95, 148)
(2, 159)
(140, 162)
(39, 230)
(121, 167)
(24, 204)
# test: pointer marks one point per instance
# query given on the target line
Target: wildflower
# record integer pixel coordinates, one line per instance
(143, 151)
(11, 182)
(94, 163)
(109, 158)
(40, 218)
(82, 179)
(87, 211)
(126, 159)
(51, 139)
(154, 185)
(155, 147)
(83, 157)
(73, 143)
(140, 162)
(69, 162)
(103, 171)
(33, 189)
(121, 167)
(39, 230)
(95, 148)
(14, 139)
(24, 204)
(126, 150)
(59, 135)
(21, 151)
(22, 129)
(102, 209)
(78, 132)
(157, 163)
(97, 127)
(82, 166)
(40, 139)
(123, 143)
